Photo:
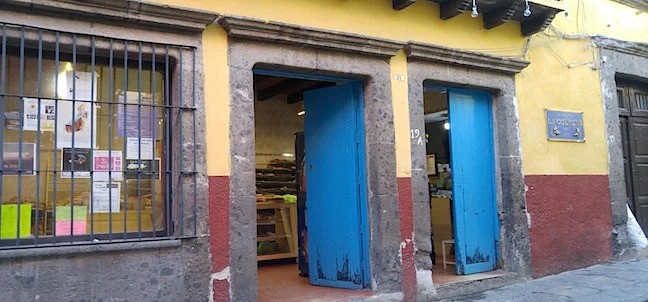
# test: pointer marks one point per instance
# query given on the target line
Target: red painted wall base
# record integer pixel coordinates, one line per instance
(219, 232)
(406, 230)
(571, 222)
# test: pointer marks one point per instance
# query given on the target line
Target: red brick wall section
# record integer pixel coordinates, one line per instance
(571, 222)
(219, 232)
(407, 242)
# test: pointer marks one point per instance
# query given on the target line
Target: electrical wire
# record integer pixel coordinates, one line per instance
(589, 47)
(581, 34)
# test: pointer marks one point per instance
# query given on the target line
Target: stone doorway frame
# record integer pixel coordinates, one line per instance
(253, 44)
(627, 60)
(463, 69)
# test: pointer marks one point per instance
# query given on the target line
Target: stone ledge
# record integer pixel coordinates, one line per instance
(436, 53)
(631, 48)
(469, 287)
(127, 11)
(254, 29)
(92, 248)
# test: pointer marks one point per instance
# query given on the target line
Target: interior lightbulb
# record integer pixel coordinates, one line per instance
(527, 10)
(474, 13)
(446, 126)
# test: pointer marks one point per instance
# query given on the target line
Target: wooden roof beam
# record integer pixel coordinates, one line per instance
(501, 15)
(276, 89)
(289, 87)
(401, 4)
(299, 96)
(537, 23)
(452, 8)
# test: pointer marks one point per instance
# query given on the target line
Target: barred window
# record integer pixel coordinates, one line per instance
(98, 139)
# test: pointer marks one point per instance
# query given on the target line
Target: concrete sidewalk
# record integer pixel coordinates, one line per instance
(619, 281)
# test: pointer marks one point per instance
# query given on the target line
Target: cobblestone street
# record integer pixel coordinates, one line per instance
(619, 281)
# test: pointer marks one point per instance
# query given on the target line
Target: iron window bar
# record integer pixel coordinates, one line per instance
(165, 65)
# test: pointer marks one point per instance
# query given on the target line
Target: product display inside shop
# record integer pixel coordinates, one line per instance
(83, 150)
(437, 126)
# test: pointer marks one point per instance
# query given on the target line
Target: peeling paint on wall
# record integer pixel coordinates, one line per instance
(222, 275)
(477, 257)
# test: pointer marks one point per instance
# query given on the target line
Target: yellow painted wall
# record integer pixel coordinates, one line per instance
(548, 84)
(401, 114)
(419, 22)
(604, 17)
(563, 76)
(560, 76)
(217, 95)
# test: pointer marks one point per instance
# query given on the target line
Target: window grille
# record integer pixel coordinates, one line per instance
(98, 139)
(641, 101)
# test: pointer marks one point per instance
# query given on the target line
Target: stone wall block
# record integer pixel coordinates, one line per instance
(381, 168)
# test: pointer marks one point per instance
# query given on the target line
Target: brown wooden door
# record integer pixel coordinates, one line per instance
(639, 167)
(627, 167)
(633, 111)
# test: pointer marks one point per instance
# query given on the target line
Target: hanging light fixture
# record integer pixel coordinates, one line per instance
(527, 9)
(301, 111)
(474, 13)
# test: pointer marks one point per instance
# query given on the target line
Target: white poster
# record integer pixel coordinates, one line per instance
(83, 86)
(79, 120)
(47, 114)
(134, 145)
(105, 197)
(75, 122)
(104, 161)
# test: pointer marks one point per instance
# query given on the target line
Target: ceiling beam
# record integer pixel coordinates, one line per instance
(262, 82)
(274, 90)
(537, 23)
(289, 87)
(401, 4)
(299, 96)
(501, 15)
(452, 8)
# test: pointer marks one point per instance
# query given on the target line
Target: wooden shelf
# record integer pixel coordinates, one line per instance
(275, 256)
(272, 238)
(282, 222)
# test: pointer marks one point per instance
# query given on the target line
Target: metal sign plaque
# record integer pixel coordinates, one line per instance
(565, 126)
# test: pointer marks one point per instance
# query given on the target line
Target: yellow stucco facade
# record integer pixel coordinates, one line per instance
(562, 75)
(216, 105)
(398, 65)
(376, 18)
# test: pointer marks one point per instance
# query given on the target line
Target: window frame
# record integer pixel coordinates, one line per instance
(179, 103)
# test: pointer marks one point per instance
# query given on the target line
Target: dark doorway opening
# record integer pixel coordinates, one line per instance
(633, 117)
(460, 161)
(295, 203)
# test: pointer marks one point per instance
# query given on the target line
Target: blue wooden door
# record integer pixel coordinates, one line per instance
(335, 190)
(473, 181)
